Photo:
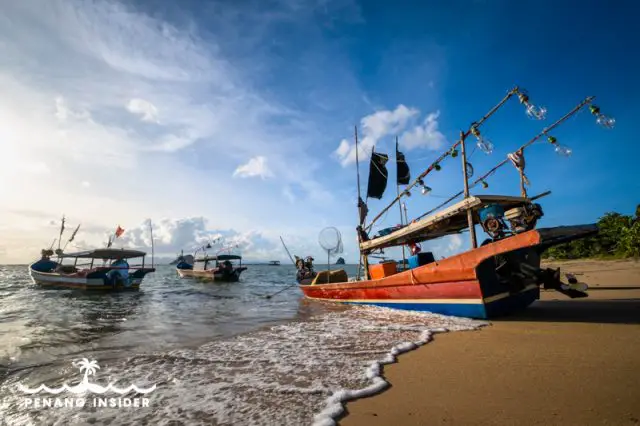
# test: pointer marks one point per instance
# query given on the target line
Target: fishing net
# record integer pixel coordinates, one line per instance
(330, 240)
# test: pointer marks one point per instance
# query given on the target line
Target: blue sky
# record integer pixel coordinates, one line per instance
(229, 117)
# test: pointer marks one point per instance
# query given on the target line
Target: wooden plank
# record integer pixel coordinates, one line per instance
(451, 220)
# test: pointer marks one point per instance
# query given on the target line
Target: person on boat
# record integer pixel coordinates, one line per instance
(305, 268)
(119, 271)
(309, 263)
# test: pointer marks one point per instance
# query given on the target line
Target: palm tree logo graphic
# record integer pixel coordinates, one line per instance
(89, 367)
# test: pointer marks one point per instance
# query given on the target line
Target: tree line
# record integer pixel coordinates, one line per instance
(618, 237)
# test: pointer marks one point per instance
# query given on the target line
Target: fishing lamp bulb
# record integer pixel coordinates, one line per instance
(425, 190)
(605, 121)
(485, 145)
(563, 150)
(535, 112)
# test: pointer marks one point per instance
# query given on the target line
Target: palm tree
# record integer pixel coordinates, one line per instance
(89, 368)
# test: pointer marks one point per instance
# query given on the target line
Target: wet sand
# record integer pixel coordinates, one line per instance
(562, 361)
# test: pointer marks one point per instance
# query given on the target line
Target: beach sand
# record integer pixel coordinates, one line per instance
(562, 361)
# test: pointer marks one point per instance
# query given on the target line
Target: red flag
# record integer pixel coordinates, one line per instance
(119, 231)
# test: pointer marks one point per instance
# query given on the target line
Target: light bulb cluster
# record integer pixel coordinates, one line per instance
(565, 151)
(603, 120)
(483, 143)
(533, 111)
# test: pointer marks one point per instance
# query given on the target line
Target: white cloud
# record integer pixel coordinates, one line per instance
(145, 109)
(36, 167)
(256, 166)
(288, 194)
(67, 114)
(391, 123)
(173, 235)
(426, 135)
(455, 242)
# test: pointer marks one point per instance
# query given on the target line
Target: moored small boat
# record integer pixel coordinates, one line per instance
(115, 273)
(217, 268)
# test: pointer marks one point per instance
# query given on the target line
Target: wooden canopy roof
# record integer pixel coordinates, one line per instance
(451, 220)
(106, 253)
(219, 257)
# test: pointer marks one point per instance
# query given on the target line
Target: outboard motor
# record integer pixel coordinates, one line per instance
(524, 218)
(492, 221)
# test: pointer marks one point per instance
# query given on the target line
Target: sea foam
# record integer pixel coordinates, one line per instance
(292, 374)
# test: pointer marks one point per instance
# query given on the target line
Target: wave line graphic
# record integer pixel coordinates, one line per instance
(85, 387)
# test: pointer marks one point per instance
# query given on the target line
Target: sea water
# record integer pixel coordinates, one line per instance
(205, 353)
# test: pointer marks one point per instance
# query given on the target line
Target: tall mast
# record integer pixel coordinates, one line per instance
(404, 257)
(61, 231)
(360, 218)
(472, 228)
(357, 162)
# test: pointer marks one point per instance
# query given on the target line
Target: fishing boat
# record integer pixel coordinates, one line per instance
(274, 263)
(217, 268)
(501, 275)
(106, 268)
(114, 272)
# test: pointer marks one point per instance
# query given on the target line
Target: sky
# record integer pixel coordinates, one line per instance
(236, 119)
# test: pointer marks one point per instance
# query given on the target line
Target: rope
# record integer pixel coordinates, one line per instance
(544, 132)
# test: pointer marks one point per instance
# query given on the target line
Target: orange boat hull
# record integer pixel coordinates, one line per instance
(462, 285)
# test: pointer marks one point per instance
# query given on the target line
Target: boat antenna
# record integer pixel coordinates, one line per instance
(73, 235)
(52, 243)
(61, 231)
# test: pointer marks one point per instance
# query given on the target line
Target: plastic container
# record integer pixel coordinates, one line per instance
(382, 270)
(420, 259)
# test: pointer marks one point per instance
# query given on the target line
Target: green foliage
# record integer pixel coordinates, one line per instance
(618, 236)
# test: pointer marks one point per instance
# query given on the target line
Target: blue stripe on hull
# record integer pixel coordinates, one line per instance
(470, 310)
(497, 308)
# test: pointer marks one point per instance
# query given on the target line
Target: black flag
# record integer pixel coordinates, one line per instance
(403, 173)
(377, 175)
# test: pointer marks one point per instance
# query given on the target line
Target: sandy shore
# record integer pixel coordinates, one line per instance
(561, 362)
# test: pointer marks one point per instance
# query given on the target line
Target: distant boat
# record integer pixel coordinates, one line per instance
(183, 258)
(274, 262)
(340, 261)
(217, 268)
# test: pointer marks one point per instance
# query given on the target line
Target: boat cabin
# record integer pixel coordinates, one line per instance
(70, 263)
(499, 216)
(214, 262)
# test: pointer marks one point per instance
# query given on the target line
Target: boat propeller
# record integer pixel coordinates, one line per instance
(550, 279)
